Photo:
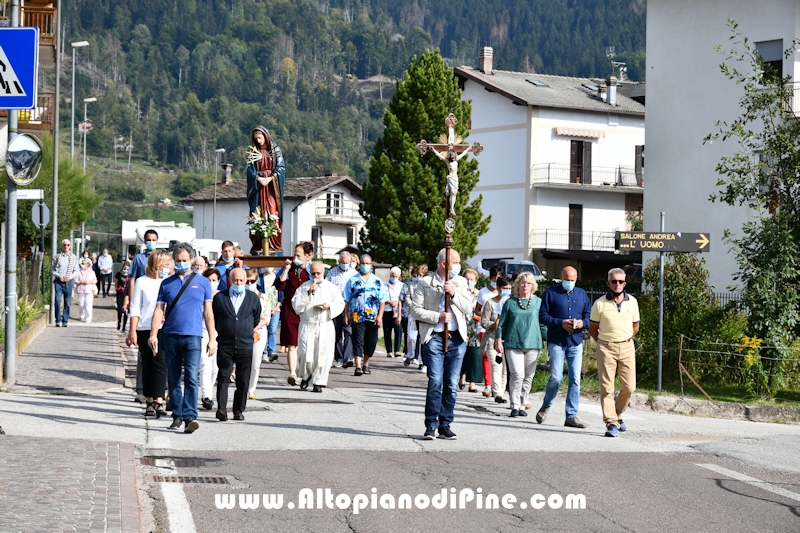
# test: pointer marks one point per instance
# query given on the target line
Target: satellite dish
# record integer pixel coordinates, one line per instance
(24, 159)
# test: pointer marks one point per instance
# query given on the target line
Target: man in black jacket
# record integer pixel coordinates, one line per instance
(237, 316)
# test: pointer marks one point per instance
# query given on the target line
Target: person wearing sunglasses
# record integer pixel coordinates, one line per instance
(613, 323)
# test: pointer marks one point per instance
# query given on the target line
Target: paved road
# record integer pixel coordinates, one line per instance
(667, 473)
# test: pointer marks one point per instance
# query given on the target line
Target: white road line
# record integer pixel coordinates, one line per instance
(178, 511)
(753, 481)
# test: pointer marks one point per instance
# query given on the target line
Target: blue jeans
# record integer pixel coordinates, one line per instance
(65, 290)
(182, 353)
(574, 355)
(443, 372)
(272, 333)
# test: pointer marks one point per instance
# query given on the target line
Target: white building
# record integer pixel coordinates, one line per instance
(562, 166)
(321, 210)
(687, 94)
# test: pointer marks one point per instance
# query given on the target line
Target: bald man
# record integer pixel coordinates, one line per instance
(565, 311)
(237, 313)
(318, 302)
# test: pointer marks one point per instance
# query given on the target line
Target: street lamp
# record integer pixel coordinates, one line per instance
(86, 102)
(78, 44)
(219, 152)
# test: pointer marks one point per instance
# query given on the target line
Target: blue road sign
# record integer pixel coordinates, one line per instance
(19, 64)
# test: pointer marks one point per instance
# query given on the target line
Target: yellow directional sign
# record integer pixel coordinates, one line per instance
(648, 241)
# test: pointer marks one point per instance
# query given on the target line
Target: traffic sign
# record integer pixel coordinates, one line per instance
(30, 194)
(19, 64)
(40, 212)
(648, 241)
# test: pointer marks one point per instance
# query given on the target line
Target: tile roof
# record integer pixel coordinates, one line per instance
(293, 188)
(551, 91)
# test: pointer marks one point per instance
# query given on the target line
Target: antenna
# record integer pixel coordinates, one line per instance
(610, 54)
(622, 69)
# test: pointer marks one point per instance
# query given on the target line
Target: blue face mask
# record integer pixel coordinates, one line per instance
(568, 285)
(237, 289)
(125, 271)
(344, 266)
(164, 272)
(392, 280)
(505, 292)
(251, 287)
(182, 267)
(414, 279)
(365, 269)
(228, 260)
(493, 284)
(151, 245)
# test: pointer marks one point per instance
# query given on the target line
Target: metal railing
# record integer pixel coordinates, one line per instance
(41, 117)
(337, 211)
(560, 173)
(553, 239)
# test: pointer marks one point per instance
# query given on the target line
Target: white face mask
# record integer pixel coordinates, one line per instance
(214, 285)
(471, 285)
(455, 270)
(299, 262)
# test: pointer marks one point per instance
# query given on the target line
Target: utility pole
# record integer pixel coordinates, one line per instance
(54, 239)
(11, 244)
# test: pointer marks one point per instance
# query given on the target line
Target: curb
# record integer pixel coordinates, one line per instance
(25, 338)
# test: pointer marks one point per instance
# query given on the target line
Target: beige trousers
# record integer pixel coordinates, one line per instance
(615, 358)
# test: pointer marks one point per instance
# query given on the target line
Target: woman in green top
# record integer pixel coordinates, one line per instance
(519, 336)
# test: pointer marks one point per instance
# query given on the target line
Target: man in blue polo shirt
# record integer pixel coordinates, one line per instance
(565, 311)
(182, 335)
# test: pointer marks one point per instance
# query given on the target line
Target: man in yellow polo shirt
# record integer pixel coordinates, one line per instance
(613, 323)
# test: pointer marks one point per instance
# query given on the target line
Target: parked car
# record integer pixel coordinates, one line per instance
(509, 266)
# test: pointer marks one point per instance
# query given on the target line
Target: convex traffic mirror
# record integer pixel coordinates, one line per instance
(24, 159)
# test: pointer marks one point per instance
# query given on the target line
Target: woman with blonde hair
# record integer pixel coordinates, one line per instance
(143, 305)
(86, 284)
(519, 337)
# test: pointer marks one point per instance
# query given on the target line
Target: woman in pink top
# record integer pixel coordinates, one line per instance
(85, 281)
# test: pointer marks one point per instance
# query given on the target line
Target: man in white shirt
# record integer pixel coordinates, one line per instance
(105, 264)
(64, 269)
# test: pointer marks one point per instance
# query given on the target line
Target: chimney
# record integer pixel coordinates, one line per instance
(612, 90)
(485, 59)
(227, 168)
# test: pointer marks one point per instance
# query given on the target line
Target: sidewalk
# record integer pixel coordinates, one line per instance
(67, 459)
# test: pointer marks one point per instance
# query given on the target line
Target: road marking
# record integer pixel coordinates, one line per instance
(159, 442)
(179, 513)
(753, 481)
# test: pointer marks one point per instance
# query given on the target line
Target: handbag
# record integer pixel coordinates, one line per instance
(94, 290)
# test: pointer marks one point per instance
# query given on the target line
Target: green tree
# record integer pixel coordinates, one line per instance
(404, 202)
(763, 175)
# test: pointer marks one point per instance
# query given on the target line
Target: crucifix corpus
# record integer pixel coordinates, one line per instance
(451, 151)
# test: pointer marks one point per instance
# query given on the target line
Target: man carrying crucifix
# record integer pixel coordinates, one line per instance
(444, 366)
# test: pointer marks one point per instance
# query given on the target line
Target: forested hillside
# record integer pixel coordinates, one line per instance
(184, 77)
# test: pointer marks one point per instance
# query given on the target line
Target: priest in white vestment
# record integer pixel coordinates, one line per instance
(318, 302)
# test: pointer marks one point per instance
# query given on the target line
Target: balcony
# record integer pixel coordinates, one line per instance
(337, 211)
(553, 239)
(35, 13)
(559, 174)
(40, 118)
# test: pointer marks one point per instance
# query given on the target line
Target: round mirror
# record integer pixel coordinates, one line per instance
(24, 159)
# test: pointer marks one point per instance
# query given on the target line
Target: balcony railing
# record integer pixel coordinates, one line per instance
(43, 17)
(554, 239)
(41, 117)
(337, 211)
(561, 174)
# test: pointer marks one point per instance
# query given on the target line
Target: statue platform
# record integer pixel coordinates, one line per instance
(258, 261)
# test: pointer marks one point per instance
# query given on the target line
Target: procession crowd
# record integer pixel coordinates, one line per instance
(198, 327)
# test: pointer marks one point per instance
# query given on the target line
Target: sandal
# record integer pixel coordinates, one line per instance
(160, 411)
(365, 369)
(151, 409)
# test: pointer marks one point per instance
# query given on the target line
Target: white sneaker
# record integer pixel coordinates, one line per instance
(423, 368)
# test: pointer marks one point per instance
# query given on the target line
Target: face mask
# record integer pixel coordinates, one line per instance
(471, 285)
(125, 271)
(164, 272)
(392, 280)
(237, 289)
(493, 284)
(214, 285)
(228, 260)
(414, 279)
(151, 245)
(455, 270)
(105, 254)
(568, 285)
(316, 281)
(344, 266)
(505, 293)
(365, 269)
(86, 256)
(251, 287)
(84, 267)
(182, 267)
(299, 262)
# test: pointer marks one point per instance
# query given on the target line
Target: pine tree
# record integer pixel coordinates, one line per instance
(404, 202)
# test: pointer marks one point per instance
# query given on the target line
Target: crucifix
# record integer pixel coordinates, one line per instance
(451, 151)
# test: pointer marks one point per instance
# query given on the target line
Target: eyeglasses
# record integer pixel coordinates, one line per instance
(616, 281)
(67, 245)
(252, 281)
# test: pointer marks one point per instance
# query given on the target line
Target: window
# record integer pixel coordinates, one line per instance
(333, 203)
(580, 162)
(575, 226)
(352, 235)
(639, 164)
(316, 239)
(771, 53)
